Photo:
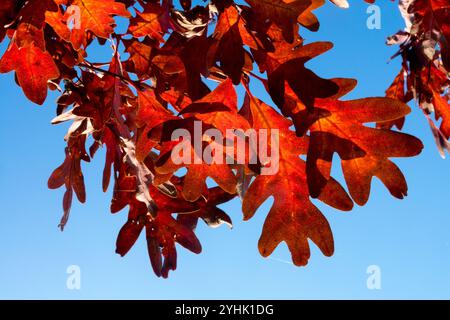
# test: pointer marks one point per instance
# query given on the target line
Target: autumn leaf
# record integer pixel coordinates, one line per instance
(70, 175)
(198, 170)
(164, 231)
(227, 44)
(287, 64)
(338, 126)
(94, 16)
(150, 114)
(139, 61)
(308, 19)
(161, 234)
(442, 110)
(293, 218)
(396, 91)
(34, 68)
(31, 18)
(209, 212)
(154, 22)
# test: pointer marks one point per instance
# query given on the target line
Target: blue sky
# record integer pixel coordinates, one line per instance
(408, 239)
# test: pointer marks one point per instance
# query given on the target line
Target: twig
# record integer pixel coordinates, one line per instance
(91, 67)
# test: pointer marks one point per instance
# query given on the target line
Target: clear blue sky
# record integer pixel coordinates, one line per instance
(409, 240)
